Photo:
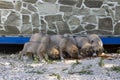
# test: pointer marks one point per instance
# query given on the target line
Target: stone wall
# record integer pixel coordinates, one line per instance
(60, 16)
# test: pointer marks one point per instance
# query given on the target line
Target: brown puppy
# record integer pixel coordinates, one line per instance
(97, 44)
(53, 52)
(43, 48)
(67, 45)
(71, 46)
(84, 46)
(29, 49)
(31, 46)
(72, 49)
(56, 39)
(64, 45)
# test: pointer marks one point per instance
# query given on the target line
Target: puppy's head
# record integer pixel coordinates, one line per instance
(72, 50)
(54, 53)
(87, 52)
(97, 50)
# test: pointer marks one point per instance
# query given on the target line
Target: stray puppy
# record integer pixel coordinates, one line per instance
(56, 39)
(67, 45)
(71, 46)
(53, 52)
(97, 44)
(29, 49)
(43, 48)
(85, 48)
(31, 46)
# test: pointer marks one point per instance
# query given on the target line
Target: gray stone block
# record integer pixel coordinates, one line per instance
(115, 1)
(66, 9)
(53, 18)
(79, 3)
(35, 20)
(25, 11)
(0, 17)
(35, 30)
(117, 29)
(51, 26)
(30, 1)
(13, 19)
(62, 27)
(50, 1)
(82, 11)
(6, 5)
(32, 8)
(25, 19)
(78, 29)
(67, 16)
(90, 27)
(26, 29)
(105, 24)
(110, 4)
(24, 5)
(98, 12)
(99, 32)
(43, 25)
(3, 32)
(5, 13)
(117, 13)
(89, 19)
(47, 8)
(74, 21)
(67, 2)
(51, 32)
(18, 5)
(1, 27)
(93, 3)
(10, 30)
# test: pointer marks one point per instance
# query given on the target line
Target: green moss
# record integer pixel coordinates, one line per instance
(101, 63)
(57, 75)
(37, 72)
(36, 60)
(118, 50)
(86, 72)
(48, 60)
(116, 68)
(76, 63)
(64, 69)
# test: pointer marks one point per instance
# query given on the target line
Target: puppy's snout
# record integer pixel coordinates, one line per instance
(94, 54)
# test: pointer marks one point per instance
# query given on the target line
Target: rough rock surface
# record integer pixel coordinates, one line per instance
(42, 14)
